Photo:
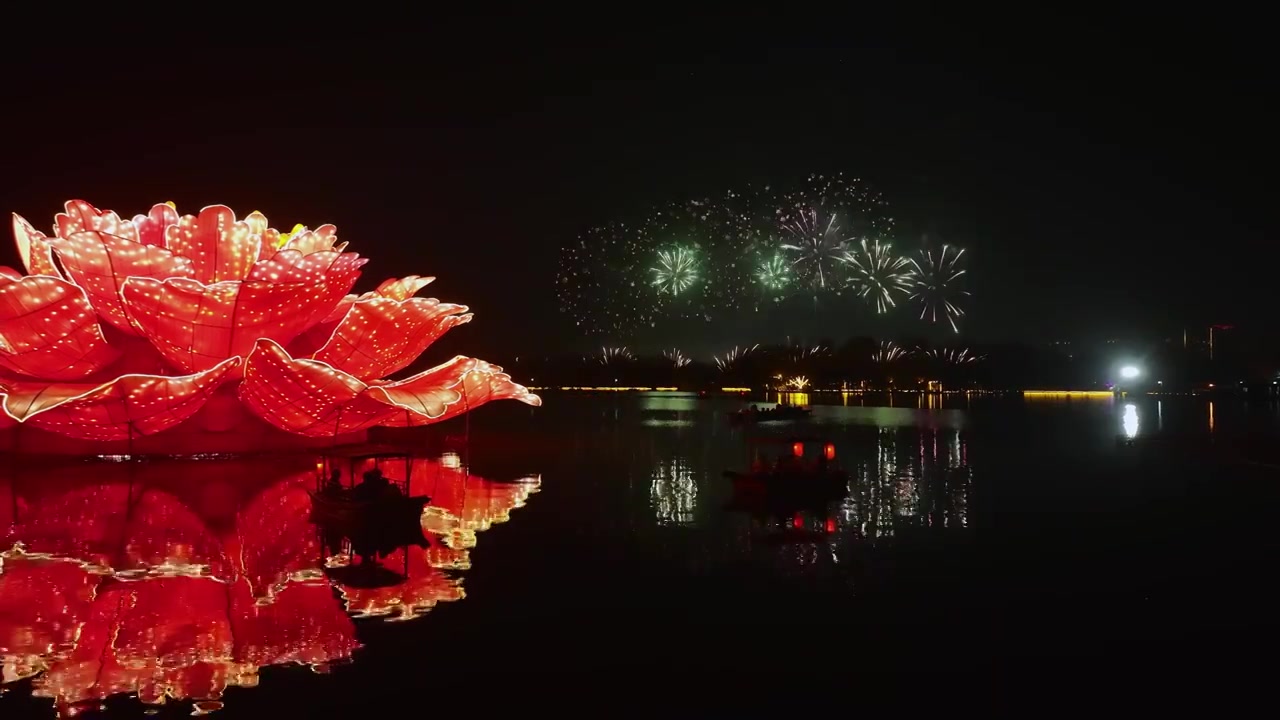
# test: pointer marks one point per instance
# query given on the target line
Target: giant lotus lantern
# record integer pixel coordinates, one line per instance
(173, 325)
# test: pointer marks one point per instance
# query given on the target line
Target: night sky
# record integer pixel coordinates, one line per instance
(1105, 182)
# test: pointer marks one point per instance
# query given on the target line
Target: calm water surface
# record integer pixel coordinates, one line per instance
(1000, 549)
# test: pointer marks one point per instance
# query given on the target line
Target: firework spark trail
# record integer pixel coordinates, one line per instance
(612, 355)
(676, 272)
(934, 275)
(952, 356)
(888, 352)
(676, 357)
(730, 360)
(878, 274)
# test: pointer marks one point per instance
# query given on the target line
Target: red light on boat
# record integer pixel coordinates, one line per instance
(797, 521)
(831, 525)
(830, 451)
(797, 449)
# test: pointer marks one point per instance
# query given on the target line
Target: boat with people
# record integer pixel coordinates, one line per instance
(790, 468)
(779, 413)
(378, 505)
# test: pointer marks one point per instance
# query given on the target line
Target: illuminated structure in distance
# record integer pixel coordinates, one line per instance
(123, 329)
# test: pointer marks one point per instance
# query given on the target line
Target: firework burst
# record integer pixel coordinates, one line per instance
(676, 357)
(734, 357)
(613, 356)
(817, 242)
(952, 356)
(933, 284)
(676, 272)
(774, 273)
(887, 353)
(877, 273)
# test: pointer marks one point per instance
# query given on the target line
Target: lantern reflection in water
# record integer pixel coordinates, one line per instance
(143, 579)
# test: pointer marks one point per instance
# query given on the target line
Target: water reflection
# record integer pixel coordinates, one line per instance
(178, 580)
(673, 491)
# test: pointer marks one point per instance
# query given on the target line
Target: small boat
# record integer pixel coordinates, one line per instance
(781, 413)
(345, 512)
(792, 478)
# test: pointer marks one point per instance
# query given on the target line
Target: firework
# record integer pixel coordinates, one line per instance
(676, 357)
(818, 221)
(877, 273)
(933, 284)
(774, 274)
(888, 352)
(613, 355)
(731, 359)
(817, 242)
(676, 272)
(952, 356)
(800, 353)
(596, 281)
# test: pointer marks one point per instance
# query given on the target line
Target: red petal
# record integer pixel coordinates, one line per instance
(270, 237)
(196, 326)
(130, 405)
(305, 396)
(8, 275)
(100, 263)
(34, 248)
(153, 227)
(402, 288)
(306, 344)
(80, 216)
(321, 239)
(379, 336)
(449, 390)
(48, 330)
(219, 247)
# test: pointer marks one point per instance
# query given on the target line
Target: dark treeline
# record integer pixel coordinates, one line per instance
(864, 362)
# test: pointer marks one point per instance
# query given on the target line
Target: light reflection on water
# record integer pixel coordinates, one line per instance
(176, 581)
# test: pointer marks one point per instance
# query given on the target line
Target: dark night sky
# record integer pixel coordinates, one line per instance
(1105, 182)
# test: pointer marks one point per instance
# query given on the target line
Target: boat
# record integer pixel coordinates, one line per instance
(792, 478)
(353, 512)
(780, 413)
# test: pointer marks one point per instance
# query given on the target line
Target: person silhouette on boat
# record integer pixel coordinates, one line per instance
(333, 486)
(374, 486)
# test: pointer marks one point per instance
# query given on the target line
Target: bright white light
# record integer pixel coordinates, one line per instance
(1130, 421)
(1129, 372)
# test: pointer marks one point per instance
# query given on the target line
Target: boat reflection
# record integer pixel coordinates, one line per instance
(175, 581)
(899, 479)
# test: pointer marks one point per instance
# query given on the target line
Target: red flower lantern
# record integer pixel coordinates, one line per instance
(123, 328)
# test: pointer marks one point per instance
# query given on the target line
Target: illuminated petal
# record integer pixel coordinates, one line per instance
(276, 540)
(219, 247)
(312, 241)
(34, 248)
(80, 216)
(269, 236)
(449, 390)
(306, 344)
(336, 271)
(305, 396)
(48, 330)
(100, 263)
(153, 228)
(8, 275)
(195, 326)
(127, 406)
(402, 288)
(302, 624)
(380, 336)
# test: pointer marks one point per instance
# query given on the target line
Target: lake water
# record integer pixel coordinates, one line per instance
(989, 552)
